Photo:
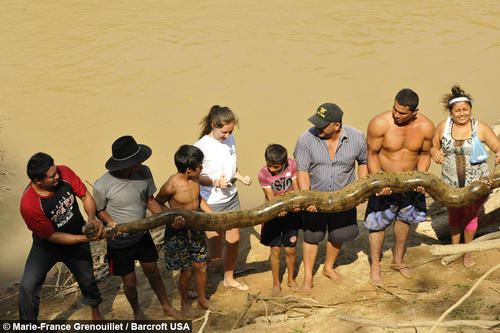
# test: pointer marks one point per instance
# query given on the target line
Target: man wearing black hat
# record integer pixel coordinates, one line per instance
(123, 195)
(326, 157)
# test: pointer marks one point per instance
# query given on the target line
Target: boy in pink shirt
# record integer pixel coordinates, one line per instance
(279, 176)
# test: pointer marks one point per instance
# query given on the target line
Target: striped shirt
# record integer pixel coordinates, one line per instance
(312, 156)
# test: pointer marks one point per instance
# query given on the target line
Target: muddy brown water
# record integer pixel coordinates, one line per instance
(74, 76)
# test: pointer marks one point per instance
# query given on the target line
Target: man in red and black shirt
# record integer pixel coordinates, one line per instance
(50, 209)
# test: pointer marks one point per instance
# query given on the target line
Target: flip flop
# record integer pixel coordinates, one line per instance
(468, 260)
(240, 286)
(400, 268)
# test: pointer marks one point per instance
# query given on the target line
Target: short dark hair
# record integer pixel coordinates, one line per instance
(276, 154)
(188, 156)
(38, 165)
(407, 97)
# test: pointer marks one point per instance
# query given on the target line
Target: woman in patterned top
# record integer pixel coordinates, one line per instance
(452, 144)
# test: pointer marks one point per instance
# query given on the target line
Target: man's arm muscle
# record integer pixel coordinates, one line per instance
(374, 140)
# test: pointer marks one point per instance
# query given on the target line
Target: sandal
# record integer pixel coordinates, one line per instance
(403, 269)
(468, 260)
(239, 286)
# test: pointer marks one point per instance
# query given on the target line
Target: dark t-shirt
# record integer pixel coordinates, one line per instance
(58, 211)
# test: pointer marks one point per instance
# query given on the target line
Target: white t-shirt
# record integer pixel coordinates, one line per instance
(219, 159)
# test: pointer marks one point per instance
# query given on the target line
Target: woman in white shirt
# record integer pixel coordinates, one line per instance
(218, 184)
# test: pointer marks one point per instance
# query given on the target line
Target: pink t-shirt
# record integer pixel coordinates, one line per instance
(279, 183)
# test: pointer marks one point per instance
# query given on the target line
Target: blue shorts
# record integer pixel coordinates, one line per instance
(183, 246)
(281, 231)
(382, 210)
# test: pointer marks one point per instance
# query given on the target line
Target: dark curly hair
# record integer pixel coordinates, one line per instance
(456, 91)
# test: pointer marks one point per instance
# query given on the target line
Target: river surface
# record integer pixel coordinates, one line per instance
(76, 75)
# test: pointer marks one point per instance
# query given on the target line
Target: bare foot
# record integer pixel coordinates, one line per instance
(276, 291)
(206, 304)
(305, 288)
(187, 311)
(139, 315)
(375, 277)
(332, 274)
(170, 311)
(293, 284)
(96, 315)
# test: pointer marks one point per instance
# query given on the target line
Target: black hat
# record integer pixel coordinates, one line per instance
(127, 153)
(325, 114)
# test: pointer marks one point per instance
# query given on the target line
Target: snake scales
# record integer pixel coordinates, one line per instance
(326, 202)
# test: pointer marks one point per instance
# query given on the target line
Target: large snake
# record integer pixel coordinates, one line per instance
(326, 202)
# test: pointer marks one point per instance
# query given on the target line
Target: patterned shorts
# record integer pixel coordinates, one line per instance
(382, 210)
(183, 246)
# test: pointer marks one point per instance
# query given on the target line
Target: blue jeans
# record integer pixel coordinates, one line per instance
(42, 257)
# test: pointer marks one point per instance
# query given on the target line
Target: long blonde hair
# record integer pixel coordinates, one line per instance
(219, 116)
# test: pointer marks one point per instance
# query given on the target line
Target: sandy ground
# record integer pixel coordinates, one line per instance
(433, 289)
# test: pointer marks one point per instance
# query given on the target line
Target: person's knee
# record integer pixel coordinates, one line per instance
(275, 251)
(291, 251)
(313, 237)
(233, 236)
(200, 266)
(26, 288)
(344, 234)
(129, 281)
(150, 269)
(28, 284)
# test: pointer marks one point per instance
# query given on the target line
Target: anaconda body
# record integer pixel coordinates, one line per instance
(326, 202)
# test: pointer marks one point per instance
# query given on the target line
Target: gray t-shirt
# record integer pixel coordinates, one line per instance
(125, 200)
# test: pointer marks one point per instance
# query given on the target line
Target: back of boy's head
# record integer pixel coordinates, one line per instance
(276, 154)
(188, 156)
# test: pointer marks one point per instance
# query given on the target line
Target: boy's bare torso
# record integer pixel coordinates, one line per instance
(186, 193)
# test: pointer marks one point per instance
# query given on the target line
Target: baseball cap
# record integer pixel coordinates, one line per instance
(325, 114)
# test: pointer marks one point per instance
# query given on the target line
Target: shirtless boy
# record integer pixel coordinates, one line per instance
(398, 140)
(185, 249)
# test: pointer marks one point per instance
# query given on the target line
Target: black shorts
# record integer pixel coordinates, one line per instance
(121, 261)
(342, 226)
(281, 231)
